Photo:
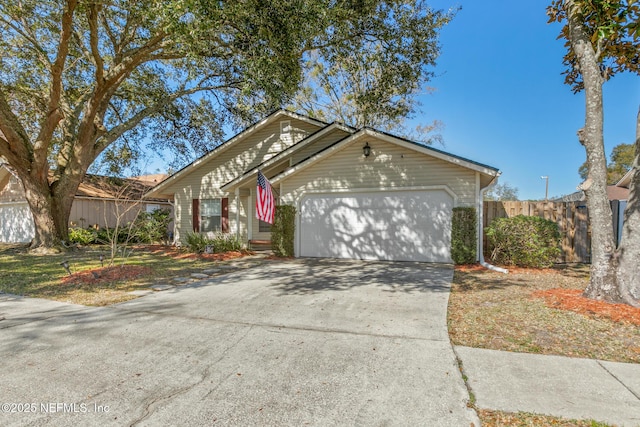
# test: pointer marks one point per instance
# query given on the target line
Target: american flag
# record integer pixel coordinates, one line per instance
(265, 205)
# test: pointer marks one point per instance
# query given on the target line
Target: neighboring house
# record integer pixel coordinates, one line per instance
(393, 204)
(98, 202)
(619, 191)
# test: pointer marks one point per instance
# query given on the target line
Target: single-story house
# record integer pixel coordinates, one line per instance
(98, 202)
(358, 193)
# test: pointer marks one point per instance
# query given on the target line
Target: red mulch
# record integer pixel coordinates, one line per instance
(572, 299)
(102, 275)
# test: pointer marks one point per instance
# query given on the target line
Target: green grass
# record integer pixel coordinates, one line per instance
(41, 276)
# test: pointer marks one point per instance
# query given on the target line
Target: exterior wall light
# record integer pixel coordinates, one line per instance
(366, 150)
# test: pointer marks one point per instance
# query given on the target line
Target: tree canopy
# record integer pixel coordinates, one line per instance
(378, 86)
(621, 161)
(503, 191)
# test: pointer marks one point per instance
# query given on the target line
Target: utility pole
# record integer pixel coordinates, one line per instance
(546, 189)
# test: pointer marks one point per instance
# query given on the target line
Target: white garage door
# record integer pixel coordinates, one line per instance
(401, 226)
(16, 223)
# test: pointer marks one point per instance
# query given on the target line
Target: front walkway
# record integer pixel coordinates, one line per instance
(554, 385)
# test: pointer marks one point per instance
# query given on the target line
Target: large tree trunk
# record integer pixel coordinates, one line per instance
(50, 207)
(606, 262)
(628, 254)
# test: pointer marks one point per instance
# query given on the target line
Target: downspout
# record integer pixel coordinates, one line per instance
(481, 231)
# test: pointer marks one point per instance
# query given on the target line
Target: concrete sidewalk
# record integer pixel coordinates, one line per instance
(554, 385)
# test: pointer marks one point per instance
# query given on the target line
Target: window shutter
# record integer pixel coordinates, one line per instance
(196, 215)
(224, 220)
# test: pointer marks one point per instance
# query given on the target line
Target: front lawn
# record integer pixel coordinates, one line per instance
(513, 312)
(43, 276)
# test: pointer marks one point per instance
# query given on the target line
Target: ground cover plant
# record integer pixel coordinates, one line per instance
(91, 282)
(539, 311)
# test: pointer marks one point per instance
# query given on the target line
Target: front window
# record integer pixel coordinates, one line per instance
(210, 215)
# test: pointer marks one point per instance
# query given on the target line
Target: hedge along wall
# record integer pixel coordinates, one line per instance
(464, 235)
(283, 230)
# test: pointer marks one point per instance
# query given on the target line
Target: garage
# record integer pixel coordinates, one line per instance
(382, 225)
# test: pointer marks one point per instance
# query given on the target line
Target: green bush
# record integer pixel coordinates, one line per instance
(218, 242)
(283, 230)
(82, 236)
(105, 235)
(151, 227)
(524, 241)
(463, 236)
(196, 242)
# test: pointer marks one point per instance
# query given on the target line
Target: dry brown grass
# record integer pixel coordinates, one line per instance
(524, 419)
(496, 311)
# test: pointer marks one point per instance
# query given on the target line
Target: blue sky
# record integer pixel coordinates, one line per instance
(501, 96)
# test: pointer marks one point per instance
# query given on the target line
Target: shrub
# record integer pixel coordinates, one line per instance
(463, 236)
(218, 242)
(151, 227)
(82, 236)
(196, 242)
(225, 242)
(283, 230)
(524, 241)
(106, 236)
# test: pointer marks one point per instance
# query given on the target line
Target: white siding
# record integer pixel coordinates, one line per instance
(388, 167)
(205, 181)
(16, 223)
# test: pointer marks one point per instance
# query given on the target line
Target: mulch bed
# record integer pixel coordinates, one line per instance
(102, 275)
(572, 299)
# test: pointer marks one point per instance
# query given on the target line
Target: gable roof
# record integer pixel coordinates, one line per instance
(230, 143)
(287, 152)
(364, 132)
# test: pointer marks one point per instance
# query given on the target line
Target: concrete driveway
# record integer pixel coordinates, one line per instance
(302, 342)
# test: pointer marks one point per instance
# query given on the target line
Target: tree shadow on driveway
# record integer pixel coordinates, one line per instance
(313, 275)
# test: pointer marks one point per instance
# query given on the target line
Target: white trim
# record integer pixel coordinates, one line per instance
(250, 214)
(230, 143)
(18, 202)
(237, 196)
(298, 201)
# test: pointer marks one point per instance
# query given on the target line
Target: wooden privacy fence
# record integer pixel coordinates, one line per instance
(572, 219)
